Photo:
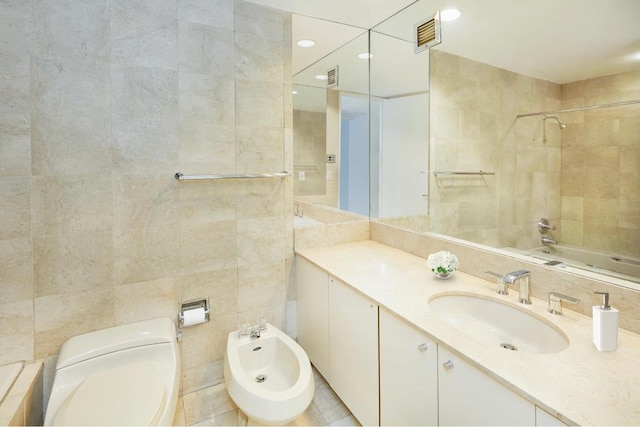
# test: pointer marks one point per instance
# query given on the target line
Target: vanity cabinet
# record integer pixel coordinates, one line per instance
(313, 314)
(408, 374)
(338, 329)
(387, 371)
(468, 396)
(353, 351)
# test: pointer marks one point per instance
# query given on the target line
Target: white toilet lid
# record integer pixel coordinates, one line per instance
(128, 395)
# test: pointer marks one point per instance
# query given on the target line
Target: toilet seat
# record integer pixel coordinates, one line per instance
(133, 394)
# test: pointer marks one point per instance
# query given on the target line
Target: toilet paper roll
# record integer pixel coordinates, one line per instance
(194, 317)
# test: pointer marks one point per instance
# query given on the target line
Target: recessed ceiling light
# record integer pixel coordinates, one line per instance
(321, 77)
(294, 92)
(305, 43)
(448, 15)
(365, 55)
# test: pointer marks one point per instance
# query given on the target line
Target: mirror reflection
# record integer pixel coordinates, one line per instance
(511, 139)
(331, 123)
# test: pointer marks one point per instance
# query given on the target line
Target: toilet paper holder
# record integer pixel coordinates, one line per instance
(193, 305)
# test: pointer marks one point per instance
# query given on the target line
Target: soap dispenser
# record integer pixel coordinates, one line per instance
(605, 325)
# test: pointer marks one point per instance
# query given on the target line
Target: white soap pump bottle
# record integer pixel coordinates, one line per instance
(605, 325)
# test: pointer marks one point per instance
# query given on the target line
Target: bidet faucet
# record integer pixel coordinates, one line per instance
(521, 278)
(253, 331)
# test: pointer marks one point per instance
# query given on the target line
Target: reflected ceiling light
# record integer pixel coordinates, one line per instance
(294, 92)
(365, 55)
(448, 15)
(305, 43)
(321, 77)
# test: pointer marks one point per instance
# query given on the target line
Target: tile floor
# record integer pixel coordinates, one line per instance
(213, 407)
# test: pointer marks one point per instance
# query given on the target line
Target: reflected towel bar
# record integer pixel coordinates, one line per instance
(462, 173)
(181, 177)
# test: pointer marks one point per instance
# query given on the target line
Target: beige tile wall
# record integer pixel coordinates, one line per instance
(105, 100)
(310, 141)
(584, 179)
(601, 165)
(328, 191)
(473, 128)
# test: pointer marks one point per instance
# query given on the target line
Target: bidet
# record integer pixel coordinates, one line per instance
(269, 377)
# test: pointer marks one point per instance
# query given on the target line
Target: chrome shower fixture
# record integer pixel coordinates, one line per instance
(560, 122)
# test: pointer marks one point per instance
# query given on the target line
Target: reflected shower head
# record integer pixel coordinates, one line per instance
(560, 122)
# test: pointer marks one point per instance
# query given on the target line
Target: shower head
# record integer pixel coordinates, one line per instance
(560, 122)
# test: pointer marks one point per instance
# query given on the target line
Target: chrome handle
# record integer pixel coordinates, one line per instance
(448, 365)
(555, 302)
(423, 347)
(543, 225)
(557, 296)
(501, 288)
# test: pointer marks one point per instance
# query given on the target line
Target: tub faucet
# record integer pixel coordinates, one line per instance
(548, 240)
(521, 278)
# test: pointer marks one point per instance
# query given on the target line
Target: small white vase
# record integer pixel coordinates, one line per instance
(444, 276)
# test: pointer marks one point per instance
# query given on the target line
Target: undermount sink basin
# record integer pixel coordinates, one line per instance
(498, 323)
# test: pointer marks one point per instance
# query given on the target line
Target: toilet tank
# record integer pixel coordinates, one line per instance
(106, 341)
(152, 341)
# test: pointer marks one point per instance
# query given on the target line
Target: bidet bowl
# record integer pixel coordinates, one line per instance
(269, 378)
(499, 323)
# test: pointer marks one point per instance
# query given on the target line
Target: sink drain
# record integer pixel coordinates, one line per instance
(509, 347)
(261, 378)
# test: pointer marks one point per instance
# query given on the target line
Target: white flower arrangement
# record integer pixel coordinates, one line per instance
(442, 262)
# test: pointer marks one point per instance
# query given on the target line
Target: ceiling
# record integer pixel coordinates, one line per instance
(556, 40)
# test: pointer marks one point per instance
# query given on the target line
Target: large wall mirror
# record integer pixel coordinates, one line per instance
(482, 136)
(331, 120)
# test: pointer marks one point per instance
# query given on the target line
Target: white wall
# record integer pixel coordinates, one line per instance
(404, 156)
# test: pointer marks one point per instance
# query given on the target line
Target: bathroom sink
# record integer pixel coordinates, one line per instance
(498, 323)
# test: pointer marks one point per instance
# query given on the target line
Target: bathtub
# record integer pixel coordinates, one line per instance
(8, 375)
(21, 394)
(623, 267)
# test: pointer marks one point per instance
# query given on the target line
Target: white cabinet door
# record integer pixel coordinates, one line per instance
(313, 313)
(543, 418)
(468, 396)
(353, 351)
(408, 374)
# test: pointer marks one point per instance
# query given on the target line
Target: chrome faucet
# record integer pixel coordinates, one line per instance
(501, 288)
(521, 278)
(254, 331)
(548, 240)
(555, 302)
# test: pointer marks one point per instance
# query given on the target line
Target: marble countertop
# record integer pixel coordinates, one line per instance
(579, 385)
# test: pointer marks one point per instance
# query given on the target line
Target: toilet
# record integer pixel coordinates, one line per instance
(269, 378)
(125, 375)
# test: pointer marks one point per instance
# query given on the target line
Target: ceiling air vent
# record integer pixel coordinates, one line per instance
(427, 33)
(332, 77)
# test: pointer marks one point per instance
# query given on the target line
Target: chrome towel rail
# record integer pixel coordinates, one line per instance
(181, 177)
(462, 173)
